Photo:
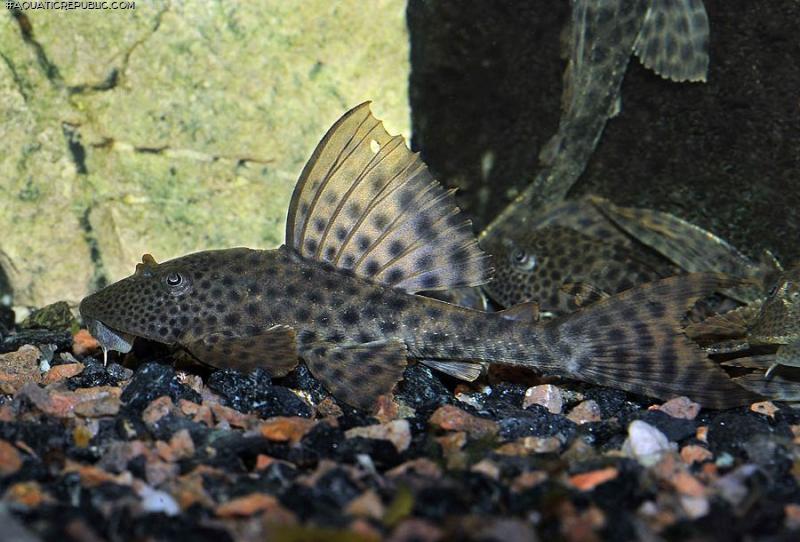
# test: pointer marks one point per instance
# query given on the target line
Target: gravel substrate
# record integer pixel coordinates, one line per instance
(150, 452)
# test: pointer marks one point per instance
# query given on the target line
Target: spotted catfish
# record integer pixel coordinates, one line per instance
(555, 265)
(692, 248)
(368, 227)
(773, 321)
(612, 248)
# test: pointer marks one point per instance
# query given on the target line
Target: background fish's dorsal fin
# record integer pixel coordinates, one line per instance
(673, 40)
(688, 246)
(364, 202)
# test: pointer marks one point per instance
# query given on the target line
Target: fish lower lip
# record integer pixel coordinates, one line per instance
(109, 339)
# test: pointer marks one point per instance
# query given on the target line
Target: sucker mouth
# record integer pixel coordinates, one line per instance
(109, 339)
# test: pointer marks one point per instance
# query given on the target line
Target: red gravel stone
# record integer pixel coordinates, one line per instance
(452, 418)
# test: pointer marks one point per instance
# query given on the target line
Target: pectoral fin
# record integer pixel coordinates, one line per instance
(776, 387)
(522, 312)
(730, 325)
(463, 370)
(273, 349)
(357, 374)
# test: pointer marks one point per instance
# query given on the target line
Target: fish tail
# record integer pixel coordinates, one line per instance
(635, 341)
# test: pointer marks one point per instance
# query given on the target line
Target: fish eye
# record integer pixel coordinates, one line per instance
(177, 283)
(523, 260)
(174, 279)
(772, 291)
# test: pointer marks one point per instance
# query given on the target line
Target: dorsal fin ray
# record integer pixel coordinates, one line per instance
(365, 203)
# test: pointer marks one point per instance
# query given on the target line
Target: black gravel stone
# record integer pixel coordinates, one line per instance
(153, 380)
(129, 424)
(170, 424)
(610, 401)
(323, 440)
(337, 486)
(93, 374)
(43, 437)
(233, 451)
(255, 393)
(314, 506)
(504, 395)
(536, 421)
(13, 342)
(733, 432)
(489, 497)
(276, 478)
(422, 390)
(382, 452)
(604, 434)
(439, 501)
(163, 527)
(301, 379)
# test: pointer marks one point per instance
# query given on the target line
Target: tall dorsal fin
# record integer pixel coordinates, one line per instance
(366, 203)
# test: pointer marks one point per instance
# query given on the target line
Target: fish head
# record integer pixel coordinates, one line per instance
(778, 321)
(529, 266)
(161, 301)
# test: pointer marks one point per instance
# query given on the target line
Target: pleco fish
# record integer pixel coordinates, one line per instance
(692, 248)
(669, 36)
(771, 321)
(561, 269)
(778, 321)
(367, 227)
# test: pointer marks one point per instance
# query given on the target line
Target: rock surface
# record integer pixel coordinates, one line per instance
(173, 127)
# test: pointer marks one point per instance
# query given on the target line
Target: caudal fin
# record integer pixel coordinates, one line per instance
(635, 341)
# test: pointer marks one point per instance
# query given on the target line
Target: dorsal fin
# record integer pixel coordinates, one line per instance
(688, 246)
(366, 203)
(673, 40)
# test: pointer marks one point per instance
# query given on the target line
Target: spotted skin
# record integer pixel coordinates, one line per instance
(778, 321)
(355, 326)
(771, 321)
(673, 40)
(691, 248)
(539, 266)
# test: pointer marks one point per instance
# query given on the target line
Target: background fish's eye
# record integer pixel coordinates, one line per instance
(174, 279)
(772, 291)
(522, 259)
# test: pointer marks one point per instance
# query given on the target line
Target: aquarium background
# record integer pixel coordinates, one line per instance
(173, 127)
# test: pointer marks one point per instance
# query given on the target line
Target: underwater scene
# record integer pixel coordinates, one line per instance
(406, 270)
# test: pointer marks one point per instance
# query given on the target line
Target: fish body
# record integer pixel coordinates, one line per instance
(772, 321)
(778, 320)
(546, 265)
(693, 249)
(668, 36)
(671, 38)
(367, 228)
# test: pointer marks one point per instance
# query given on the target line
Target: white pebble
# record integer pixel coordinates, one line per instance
(645, 443)
(154, 500)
